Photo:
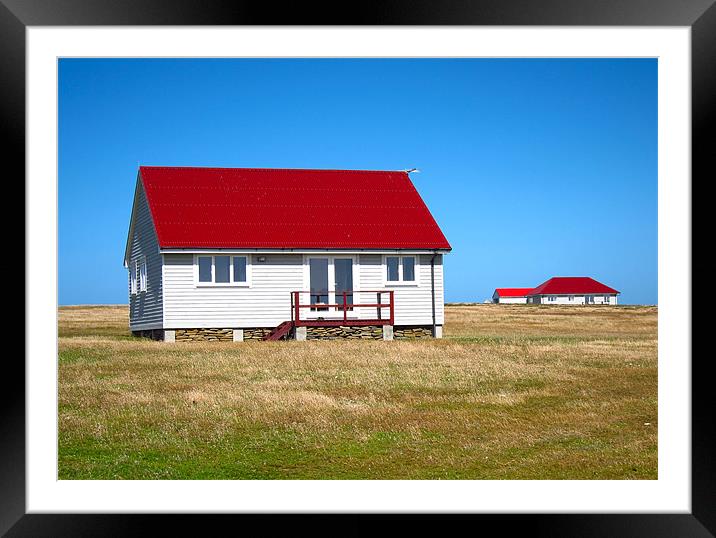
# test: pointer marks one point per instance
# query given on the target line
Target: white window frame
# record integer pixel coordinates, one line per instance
(231, 270)
(400, 281)
(230, 283)
(142, 273)
(415, 269)
(133, 278)
(385, 270)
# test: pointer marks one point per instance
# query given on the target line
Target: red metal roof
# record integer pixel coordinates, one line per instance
(571, 285)
(288, 208)
(513, 292)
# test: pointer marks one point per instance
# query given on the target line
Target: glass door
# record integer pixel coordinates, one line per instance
(318, 269)
(343, 274)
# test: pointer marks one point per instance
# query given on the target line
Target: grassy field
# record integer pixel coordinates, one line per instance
(511, 392)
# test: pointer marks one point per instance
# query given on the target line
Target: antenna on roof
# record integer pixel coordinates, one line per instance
(412, 170)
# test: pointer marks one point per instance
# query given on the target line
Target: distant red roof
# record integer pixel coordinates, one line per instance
(571, 285)
(288, 208)
(513, 292)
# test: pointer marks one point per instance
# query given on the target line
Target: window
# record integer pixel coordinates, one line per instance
(400, 269)
(222, 270)
(239, 268)
(133, 279)
(143, 274)
(205, 269)
(408, 268)
(392, 264)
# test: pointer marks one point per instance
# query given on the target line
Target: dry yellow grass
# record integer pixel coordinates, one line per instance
(511, 392)
(552, 320)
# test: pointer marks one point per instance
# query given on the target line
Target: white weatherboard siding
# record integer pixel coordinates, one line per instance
(512, 300)
(145, 307)
(266, 303)
(413, 303)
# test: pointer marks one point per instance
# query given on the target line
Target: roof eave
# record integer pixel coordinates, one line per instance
(575, 293)
(189, 250)
(131, 220)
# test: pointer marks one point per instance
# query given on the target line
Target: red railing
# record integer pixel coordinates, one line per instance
(344, 307)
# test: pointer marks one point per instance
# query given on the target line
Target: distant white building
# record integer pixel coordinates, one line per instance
(510, 295)
(572, 290)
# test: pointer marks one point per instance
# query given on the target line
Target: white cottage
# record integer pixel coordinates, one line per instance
(572, 290)
(239, 253)
(510, 295)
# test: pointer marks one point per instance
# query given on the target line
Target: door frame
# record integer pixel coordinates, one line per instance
(331, 313)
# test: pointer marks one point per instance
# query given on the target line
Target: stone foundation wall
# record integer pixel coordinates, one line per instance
(412, 332)
(368, 332)
(217, 335)
(256, 334)
(204, 335)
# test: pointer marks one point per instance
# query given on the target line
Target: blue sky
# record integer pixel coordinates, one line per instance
(533, 168)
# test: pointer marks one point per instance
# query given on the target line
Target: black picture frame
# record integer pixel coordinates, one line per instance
(699, 15)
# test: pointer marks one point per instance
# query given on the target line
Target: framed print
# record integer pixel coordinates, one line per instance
(60, 61)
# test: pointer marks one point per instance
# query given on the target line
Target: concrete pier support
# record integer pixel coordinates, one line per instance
(169, 336)
(438, 331)
(238, 335)
(301, 333)
(387, 332)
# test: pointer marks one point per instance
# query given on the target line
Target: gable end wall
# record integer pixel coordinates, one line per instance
(145, 308)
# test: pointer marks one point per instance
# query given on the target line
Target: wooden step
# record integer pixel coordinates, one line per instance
(280, 331)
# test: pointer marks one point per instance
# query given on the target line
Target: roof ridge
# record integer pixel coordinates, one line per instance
(271, 169)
